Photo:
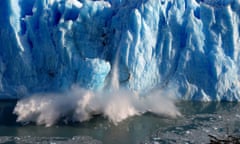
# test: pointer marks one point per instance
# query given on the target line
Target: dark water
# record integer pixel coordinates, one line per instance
(198, 121)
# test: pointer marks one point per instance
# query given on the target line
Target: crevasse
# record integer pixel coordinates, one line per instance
(50, 45)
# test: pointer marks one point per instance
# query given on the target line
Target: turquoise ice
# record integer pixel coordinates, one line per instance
(50, 45)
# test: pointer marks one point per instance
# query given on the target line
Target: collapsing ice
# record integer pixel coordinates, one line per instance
(50, 45)
(80, 105)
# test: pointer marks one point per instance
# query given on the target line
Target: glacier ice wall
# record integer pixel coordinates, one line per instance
(50, 45)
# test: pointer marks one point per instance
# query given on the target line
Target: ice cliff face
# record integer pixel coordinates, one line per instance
(50, 45)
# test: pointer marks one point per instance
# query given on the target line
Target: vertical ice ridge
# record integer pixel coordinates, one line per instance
(58, 43)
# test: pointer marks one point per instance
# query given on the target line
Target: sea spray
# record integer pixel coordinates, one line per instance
(79, 105)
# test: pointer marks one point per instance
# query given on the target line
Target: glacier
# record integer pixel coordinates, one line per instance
(50, 45)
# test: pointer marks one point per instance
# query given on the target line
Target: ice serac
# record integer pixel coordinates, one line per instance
(50, 45)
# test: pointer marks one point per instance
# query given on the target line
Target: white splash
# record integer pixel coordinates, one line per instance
(80, 105)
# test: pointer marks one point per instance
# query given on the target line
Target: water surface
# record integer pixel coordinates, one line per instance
(197, 122)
